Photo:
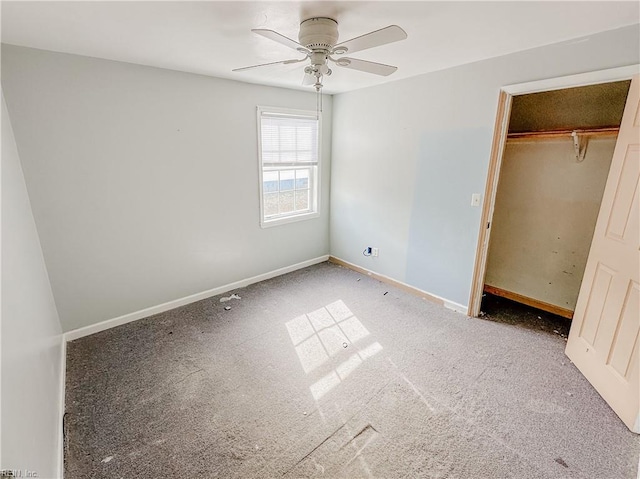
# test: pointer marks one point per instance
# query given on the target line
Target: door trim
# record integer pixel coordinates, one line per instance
(503, 115)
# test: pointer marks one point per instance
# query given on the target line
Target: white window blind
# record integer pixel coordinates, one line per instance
(289, 139)
(289, 157)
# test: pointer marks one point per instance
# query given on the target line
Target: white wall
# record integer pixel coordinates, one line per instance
(545, 213)
(144, 182)
(31, 332)
(408, 155)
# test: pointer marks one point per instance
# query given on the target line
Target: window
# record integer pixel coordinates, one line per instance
(289, 157)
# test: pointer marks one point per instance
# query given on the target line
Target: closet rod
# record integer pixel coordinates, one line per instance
(608, 131)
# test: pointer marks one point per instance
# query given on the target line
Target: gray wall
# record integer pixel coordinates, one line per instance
(408, 155)
(31, 334)
(144, 182)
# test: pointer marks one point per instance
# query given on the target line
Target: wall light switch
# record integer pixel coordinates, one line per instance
(475, 199)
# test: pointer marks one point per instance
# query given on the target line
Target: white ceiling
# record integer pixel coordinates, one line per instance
(212, 38)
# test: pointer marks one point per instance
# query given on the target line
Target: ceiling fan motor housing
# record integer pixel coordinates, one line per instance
(318, 33)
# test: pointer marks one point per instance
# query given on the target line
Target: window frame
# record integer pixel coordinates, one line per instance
(314, 177)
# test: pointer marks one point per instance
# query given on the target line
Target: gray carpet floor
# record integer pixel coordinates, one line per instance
(326, 372)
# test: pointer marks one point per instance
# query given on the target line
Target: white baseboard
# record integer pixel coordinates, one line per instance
(457, 307)
(453, 306)
(407, 287)
(161, 308)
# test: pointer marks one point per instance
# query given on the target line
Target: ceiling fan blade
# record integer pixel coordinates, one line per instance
(277, 37)
(390, 34)
(366, 66)
(308, 79)
(285, 62)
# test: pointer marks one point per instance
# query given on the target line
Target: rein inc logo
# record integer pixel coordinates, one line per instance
(17, 473)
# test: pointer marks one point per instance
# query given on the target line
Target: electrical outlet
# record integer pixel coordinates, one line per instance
(374, 251)
(475, 199)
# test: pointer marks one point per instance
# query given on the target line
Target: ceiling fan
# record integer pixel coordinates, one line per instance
(318, 39)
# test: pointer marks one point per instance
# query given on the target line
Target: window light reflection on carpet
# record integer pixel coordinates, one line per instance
(322, 334)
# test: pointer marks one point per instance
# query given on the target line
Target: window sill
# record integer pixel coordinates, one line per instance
(289, 219)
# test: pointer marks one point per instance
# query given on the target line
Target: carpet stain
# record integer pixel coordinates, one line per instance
(561, 462)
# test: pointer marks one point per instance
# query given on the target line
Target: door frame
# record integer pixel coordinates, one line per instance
(503, 116)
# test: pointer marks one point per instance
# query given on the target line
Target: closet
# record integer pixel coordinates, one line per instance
(554, 169)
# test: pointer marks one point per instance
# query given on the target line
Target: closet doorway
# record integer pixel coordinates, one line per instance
(554, 169)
